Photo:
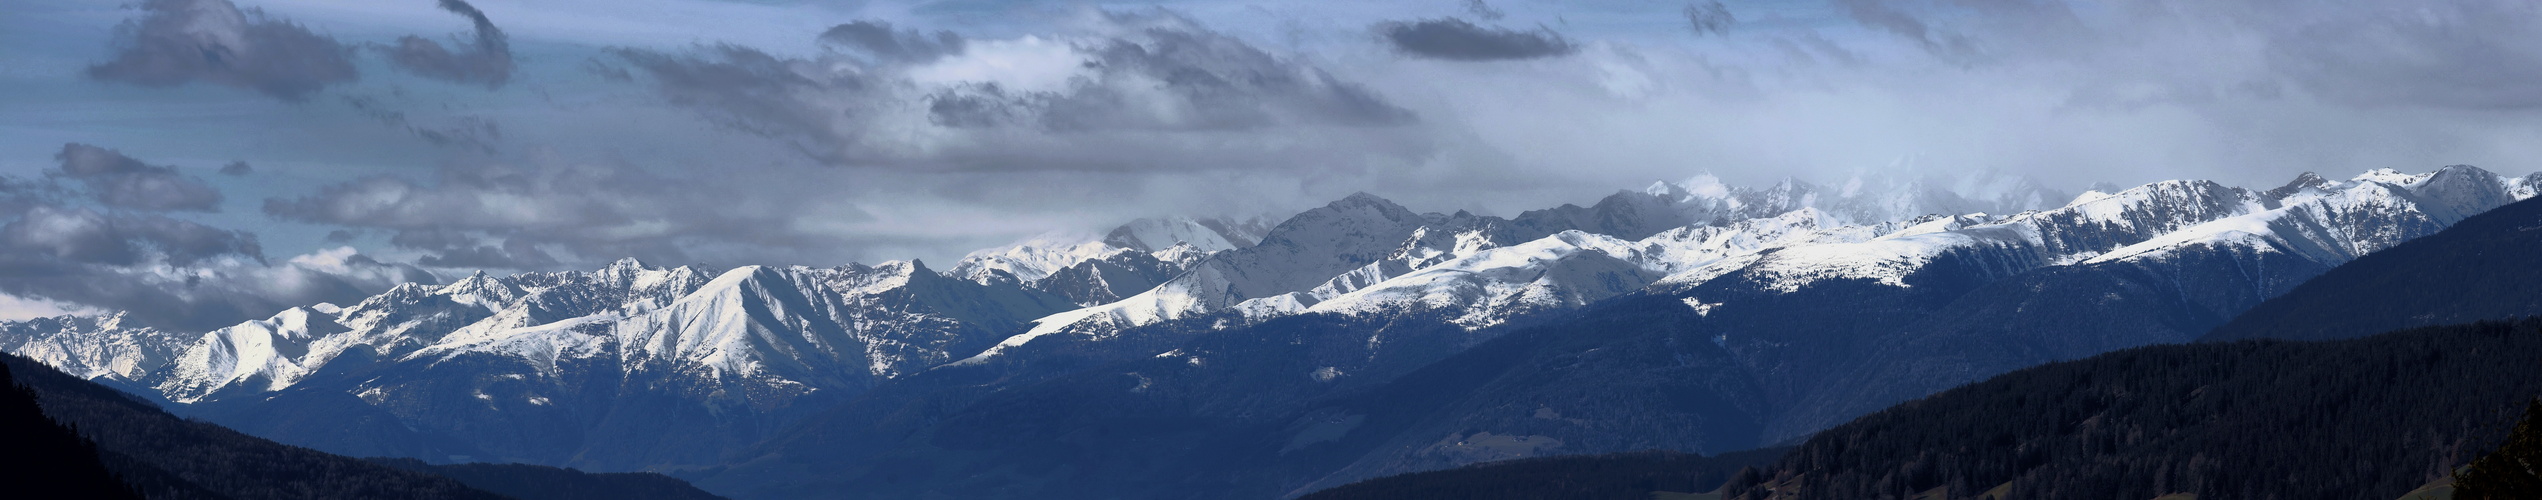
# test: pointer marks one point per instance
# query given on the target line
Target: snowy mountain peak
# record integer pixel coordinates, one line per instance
(1035, 258)
(261, 355)
(1155, 235)
(1665, 190)
(93, 347)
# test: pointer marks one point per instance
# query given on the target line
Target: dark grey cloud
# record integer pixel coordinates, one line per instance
(1218, 82)
(176, 42)
(2473, 54)
(1457, 40)
(167, 272)
(2455, 54)
(1812, 48)
(877, 40)
(1483, 11)
(486, 57)
(84, 236)
(1880, 15)
(1709, 18)
(127, 250)
(460, 249)
(1135, 95)
(750, 90)
(238, 169)
(539, 217)
(122, 182)
(205, 296)
(468, 132)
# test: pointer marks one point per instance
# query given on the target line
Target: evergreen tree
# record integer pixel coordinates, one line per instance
(2512, 472)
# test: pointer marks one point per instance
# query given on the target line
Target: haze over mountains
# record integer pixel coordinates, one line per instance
(1247, 358)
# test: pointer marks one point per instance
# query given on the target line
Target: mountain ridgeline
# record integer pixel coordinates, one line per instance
(1179, 358)
(2485, 268)
(2368, 418)
(84, 440)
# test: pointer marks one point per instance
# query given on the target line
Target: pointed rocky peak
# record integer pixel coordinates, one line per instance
(628, 264)
(1664, 190)
(858, 279)
(1181, 255)
(2525, 187)
(623, 271)
(2307, 182)
(1036, 257)
(481, 290)
(2390, 176)
(109, 322)
(403, 293)
(992, 278)
(1156, 234)
(1241, 232)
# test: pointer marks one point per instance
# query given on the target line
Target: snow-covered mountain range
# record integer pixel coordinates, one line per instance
(563, 367)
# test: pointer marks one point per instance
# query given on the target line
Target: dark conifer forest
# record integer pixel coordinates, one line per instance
(86, 440)
(2512, 472)
(1618, 476)
(550, 483)
(39, 451)
(2369, 418)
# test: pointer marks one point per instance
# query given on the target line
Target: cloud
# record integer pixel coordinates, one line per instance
(168, 272)
(486, 58)
(176, 42)
(876, 40)
(2474, 54)
(536, 217)
(1456, 40)
(238, 169)
(83, 236)
(122, 182)
(2452, 54)
(1878, 14)
(1709, 18)
(1483, 11)
(205, 295)
(1135, 92)
(126, 252)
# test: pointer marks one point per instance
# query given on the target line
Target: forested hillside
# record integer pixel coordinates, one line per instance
(160, 456)
(2369, 418)
(40, 451)
(1616, 476)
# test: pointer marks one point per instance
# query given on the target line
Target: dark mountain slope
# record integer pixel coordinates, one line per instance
(2049, 315)
(170, 457)
(550, 483)
(2367, 418)
(164, 456)
(2486, 267)
(36, 450)
(1617, 476)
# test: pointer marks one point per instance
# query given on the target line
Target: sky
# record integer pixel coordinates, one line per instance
(200, 162)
